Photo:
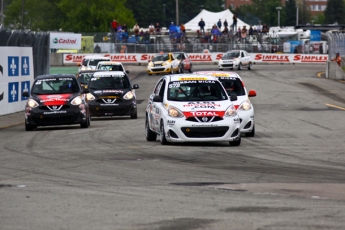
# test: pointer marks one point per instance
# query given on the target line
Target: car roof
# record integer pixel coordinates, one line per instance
(219, 73)
(109, 73)
(110, 62)
(47, 76)
(186, 77)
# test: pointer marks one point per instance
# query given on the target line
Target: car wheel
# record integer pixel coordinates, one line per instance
(149, 74)
(85, 124)
(240, 66)
(181, 69)
(252, 133)
(134, 115)
(250, 66)
(235, 143)
(162, 137)
(29, 127)
(191, 68)
(150, 136)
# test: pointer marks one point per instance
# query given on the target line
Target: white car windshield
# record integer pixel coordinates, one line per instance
(163, 57)
(196, 90)
(108, 82)
(110, 67)
(232, 54)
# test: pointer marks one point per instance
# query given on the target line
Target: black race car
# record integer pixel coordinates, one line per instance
(84, 76)
(56, 100)
(111, 94)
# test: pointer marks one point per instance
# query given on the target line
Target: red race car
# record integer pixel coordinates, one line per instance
(185, 62)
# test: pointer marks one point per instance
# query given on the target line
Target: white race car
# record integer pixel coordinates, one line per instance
(233, 84)
(191, 108)
(235, 59)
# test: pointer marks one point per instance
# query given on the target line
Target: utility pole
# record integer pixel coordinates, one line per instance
(2, 13)
(177, 14)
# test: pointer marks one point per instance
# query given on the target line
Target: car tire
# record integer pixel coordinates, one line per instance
(252, 133)
(85, 124)
(235, 143)
(240, 66)
(29, 127)
(250, 66)
(162, 137)
(134, 115)
(149, 74)
(181, 69)
(191, 68)
(150, 136)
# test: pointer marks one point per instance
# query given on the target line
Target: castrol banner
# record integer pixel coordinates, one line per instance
(65, 41)
(70, 59)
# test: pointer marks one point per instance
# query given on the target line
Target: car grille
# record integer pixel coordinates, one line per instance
(157, 70)
(204, 132)
(227, 65)
(157, 65)
(64, 107)
(204, 119)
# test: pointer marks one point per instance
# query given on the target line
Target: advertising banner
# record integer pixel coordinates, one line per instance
(16, 77)
(65, 41)
(143, 58)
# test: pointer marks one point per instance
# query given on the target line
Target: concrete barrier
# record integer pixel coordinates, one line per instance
(334, 71)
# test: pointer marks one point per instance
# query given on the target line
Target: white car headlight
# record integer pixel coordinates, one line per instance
(246, 105)
(77, 101)
(231, 111)
(151, 64)
(90, 97)
(174, 112)
(128, 96)
(165, 63)
(32, 103)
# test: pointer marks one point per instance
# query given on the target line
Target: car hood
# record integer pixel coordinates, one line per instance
(54, 99)
(229, 58)
(158, 62)
(202, 108)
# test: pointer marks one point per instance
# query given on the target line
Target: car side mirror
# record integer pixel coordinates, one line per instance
(25, 94)
(252, 93)
(233, 97)
(127, 71)
(86, 90)
(157, 98)
(135, 86)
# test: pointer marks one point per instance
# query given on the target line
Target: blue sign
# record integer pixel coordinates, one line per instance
(13, 92)
(25, 66)
(25, 88)
(315, 35)
(13, 66)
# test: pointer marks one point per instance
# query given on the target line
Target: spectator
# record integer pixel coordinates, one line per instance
(234, 22)
(119, 27)
(158, 28)
(225, 31)
(114, 26)
(264, 29)
(151, 28)
(183, 29)
(206, 38)
(97, 49)
(259, 28)
(141, 33)
(201, 24)
(225, 23)
(172, 28)
(136, 29)
(219, 24)
(124, 28)
(250, 32)
(337, 58)
(244, 34)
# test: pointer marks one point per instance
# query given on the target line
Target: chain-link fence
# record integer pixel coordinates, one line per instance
(336, 43)
(39, 41)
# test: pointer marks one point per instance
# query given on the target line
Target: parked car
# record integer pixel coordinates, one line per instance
(111, 66)
(111, 94)
(185, 62)
(191, 108)
(163, 63)
(56, 99)
(235, 59)
(233, 84)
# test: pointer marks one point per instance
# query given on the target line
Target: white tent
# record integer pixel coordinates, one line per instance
(212, 18)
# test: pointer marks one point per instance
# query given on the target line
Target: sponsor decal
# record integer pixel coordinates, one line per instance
(272, 57)
(13, 88)
(54, 112)
(2, 73)
(146, 57)
(200, 57)
(64, 41)
(122, 57)
(205, 125)
(201, 105)
(51, 100)
(171, 122)
(192, 78)
(74, 58)
(310, 58)
(204, 114)
(219, 56)
(25, 66)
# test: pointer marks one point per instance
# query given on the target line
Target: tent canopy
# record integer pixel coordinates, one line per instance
(211, 18)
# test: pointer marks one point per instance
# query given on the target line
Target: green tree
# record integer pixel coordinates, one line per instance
(290, 11)
(335, 12)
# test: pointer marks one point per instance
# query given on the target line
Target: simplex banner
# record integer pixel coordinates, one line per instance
(65, 41)
(205, 57)
(16, 77)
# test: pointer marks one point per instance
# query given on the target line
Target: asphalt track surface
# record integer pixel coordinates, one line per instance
(289, 176)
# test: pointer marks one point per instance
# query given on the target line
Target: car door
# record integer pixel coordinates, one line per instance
(246, 58)
(153, 114)
(186, 61)
(174, 61)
